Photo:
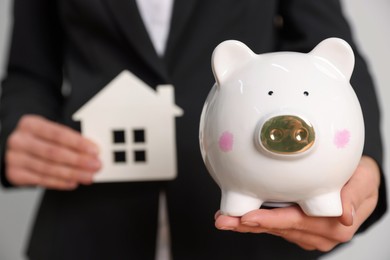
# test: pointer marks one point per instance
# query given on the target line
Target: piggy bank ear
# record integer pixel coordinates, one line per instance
(227, 56)
(338, 52)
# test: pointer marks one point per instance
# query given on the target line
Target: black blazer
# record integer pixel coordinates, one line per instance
(84, 44)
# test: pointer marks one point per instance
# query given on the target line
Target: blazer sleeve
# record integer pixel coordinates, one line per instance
(32, 84)
(303, 25)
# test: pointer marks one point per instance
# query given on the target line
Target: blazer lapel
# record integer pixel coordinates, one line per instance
(126, 15)
(181, 13)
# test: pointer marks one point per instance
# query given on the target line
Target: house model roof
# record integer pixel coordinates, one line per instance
(128, 91)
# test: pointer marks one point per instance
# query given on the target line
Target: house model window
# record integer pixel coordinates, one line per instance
(121, 146)
(140, 140)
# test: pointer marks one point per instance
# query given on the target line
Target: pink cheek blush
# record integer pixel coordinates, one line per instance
(341, 138)
(226, 141)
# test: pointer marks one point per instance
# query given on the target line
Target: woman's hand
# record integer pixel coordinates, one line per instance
(359, 198)
(43, 153)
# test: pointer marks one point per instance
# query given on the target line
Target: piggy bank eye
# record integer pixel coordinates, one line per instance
(306, 93)
(270, 92)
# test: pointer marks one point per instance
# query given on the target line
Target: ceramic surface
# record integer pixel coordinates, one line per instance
(282, 127)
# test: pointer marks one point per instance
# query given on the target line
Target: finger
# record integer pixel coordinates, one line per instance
(57, 133)
(306, 240)
(223, 222)
(217, 214)
(23, 177)
(292, 218)
(48, 151)
(278, 218)
(305, 246)
(69, 174)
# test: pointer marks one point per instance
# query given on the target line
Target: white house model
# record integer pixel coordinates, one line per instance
(134, 127)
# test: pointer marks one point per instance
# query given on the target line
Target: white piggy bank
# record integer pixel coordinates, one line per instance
(282, 127)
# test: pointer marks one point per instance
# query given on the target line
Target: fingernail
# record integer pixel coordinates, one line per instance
(250, 224)
(226, 228)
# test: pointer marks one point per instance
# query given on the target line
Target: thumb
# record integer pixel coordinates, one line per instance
(361, 186)
(348, 204)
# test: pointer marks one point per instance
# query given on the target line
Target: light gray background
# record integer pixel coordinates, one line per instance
(370, 21)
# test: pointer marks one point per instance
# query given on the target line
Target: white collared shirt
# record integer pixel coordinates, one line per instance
(156, 15)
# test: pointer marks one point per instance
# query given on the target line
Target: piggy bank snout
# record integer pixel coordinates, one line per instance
(286, 134)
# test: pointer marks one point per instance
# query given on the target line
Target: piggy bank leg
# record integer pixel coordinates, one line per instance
(237, 204)
(323, 205)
